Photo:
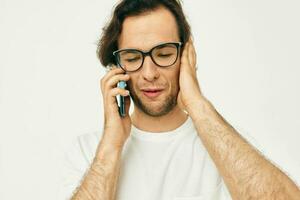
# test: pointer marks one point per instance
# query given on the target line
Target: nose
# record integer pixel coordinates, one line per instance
(149, 69)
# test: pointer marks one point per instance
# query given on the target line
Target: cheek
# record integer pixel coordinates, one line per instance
(133, 83)
(175, 76)
(130, 85)
(174, 81)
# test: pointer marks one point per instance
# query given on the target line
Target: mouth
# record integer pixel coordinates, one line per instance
(152, 92)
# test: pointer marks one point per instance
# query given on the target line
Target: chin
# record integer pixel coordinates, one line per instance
(157, 108)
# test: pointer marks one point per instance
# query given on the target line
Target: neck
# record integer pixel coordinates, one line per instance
(168, 122)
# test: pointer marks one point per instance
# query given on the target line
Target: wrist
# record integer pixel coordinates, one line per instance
(199, 107)
(107, 160)
(108, 148)
(114, 136)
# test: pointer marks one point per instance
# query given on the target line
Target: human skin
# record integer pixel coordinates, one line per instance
(247, 174)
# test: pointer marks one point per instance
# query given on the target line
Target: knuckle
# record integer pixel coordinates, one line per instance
(113, 92)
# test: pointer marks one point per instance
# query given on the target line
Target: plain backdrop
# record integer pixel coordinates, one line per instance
(248, 67)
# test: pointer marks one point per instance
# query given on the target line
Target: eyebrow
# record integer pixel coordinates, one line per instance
(129, 50)
(159, 46)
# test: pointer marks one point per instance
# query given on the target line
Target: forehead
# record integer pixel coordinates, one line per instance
(148, 29)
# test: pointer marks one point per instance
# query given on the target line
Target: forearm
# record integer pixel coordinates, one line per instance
(247, 174)
(100, 182)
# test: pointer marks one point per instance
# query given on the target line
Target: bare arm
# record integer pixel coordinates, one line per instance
(247, 174)
(101, 180)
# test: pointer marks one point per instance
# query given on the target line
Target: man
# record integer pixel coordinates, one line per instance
(175, 145)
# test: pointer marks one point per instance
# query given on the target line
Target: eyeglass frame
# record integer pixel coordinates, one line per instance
(148, 53)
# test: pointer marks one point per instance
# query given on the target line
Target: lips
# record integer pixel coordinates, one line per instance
(152, 92)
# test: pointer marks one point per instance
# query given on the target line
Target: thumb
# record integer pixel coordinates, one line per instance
(179, 101)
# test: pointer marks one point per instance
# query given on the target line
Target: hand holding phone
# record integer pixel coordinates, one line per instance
(117, 123)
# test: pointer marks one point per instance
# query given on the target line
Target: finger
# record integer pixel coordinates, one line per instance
(113, 71)
(179, 101)
(193, 54)
(184, 57)
(189, 53)
(113, 81)
(114, 92)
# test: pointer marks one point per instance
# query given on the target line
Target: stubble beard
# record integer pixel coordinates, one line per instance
(167, 105)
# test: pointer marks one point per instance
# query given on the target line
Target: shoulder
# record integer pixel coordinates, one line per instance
(84, 146)
(77, 157)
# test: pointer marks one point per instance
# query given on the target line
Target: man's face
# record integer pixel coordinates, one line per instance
(153, 89)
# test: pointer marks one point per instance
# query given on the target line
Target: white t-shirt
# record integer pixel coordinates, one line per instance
(170, 165)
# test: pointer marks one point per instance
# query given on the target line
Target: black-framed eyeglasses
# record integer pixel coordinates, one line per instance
(163, 55)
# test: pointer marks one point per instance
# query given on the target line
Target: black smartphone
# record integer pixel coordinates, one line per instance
(121, 99)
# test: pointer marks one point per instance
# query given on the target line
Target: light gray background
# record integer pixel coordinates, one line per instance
(248, 58)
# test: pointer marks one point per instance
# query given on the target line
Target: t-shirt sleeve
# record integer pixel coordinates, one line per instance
(73, 167)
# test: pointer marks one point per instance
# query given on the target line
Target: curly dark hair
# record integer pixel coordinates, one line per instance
(108, 42)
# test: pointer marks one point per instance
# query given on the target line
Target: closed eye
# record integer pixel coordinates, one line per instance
(132, 59)
(165, 55)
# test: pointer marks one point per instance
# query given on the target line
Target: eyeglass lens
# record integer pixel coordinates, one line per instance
(163, 56)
